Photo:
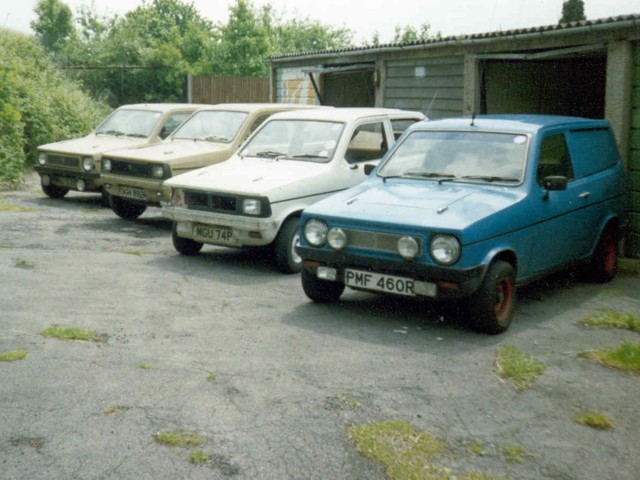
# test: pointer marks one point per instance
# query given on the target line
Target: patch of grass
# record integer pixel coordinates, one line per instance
(198, 457)
(116, 409)
(137, 253)
(403, 450)
(211, 377)
(341, 402)
(597, 420)
(22, 263)
(514, 453)
(477, 448)
(512, 364)
(72, 333)
(145, 366)
(613, 319)
(625, 357)
(13, 355)
(33, 442)
(178, 439)
(8, 207)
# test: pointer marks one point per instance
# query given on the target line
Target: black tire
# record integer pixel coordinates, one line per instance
(185, 246)
(603, 266)
(54, 192)
(320, 291)
(286, 257)
(126, 210)
(491, 307)
(105, 199)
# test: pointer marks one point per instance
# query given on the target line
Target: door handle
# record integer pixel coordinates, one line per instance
(584, 195)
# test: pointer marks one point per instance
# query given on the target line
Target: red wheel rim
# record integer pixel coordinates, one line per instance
(609, 263)
(504, 298)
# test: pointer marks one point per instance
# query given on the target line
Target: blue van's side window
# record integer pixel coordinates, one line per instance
(554, 158)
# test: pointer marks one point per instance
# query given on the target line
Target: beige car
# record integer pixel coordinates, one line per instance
(134, 178)
(75, 164)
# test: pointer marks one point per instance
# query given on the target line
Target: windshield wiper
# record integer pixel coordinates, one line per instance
(489, 178)
(214, 138)
(111, 132)
(270, 154)
(309, 155)
(441, 177)
(136, 135)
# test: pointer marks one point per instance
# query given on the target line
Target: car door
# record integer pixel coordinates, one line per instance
(560, 218)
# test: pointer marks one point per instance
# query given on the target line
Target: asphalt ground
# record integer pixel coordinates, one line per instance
(223, 346)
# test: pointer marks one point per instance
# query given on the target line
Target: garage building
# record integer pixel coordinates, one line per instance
(589, 68)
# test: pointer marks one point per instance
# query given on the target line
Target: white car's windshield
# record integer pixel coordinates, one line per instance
(211, 126)
(132, 123)
(460, 156)
(307, 140)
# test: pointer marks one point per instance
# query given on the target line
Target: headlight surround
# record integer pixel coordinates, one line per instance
(445, 249)
(106, 164)
(42, 158)
(251, 206)
(408, 247)
(157, 171)
(87, 164)
(315, 232)
(337, 238)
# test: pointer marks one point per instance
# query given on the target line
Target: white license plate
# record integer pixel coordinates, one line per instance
(208, 233)
(136, 193)
(379, 282)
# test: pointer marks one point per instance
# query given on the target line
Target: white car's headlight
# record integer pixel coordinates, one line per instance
(315, 231)
(408, 248)
(337, 238)
(251, 206)
(445, 249)
(157, 171)
(42, 158)
(106, 164)
(87, 164)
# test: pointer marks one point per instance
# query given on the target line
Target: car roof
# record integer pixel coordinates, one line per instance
(341, 114)
(160, 107)
(510, 123)
(256, 107)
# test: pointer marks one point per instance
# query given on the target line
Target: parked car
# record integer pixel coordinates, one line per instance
(75, 164)
(469, 208)
(134, 178)
(293, 160)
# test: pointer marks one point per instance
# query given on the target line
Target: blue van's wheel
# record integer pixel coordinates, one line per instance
(491, 306)
(321, 291)
(604, 262)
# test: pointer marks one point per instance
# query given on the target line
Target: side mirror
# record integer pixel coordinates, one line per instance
(368, 168)
(555, 182)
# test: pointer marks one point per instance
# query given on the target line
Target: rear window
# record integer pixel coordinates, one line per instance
(592, 150)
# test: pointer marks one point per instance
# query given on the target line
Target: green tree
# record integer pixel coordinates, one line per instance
(410, 34)
(53, 25)
(572, 11)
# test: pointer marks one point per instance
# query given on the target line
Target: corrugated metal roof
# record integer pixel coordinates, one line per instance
(609, 23)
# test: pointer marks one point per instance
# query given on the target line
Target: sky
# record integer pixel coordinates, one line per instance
(368, 17)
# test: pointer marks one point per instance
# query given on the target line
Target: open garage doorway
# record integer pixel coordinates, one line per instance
(345, 85)
(569, 85)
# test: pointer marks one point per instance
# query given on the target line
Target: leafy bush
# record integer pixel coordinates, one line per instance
(38, 105)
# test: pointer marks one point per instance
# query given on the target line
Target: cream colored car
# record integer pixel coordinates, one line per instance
(75, 164)
(134, 178)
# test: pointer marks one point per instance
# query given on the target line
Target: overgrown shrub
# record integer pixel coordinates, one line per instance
(38, 105)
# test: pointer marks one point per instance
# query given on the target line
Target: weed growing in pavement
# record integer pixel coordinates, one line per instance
(477, 448)
(613, 319)
(597, 420)
(341, 402)
(629, 266)
(22, 263)
(178, 439)
(137, 253)
(13, 355)
(116, 409)
(404, 451)
(211, 377)
(514, 453)
(8, 207)
(512, 364)
(72, 333)
(198, 457)
(625, 357)
(145, 366)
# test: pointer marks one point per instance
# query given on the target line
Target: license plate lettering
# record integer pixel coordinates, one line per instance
(213, 234)
(379, 282)
(129, 192)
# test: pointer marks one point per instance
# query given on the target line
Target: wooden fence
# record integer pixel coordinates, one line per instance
(204, 89)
